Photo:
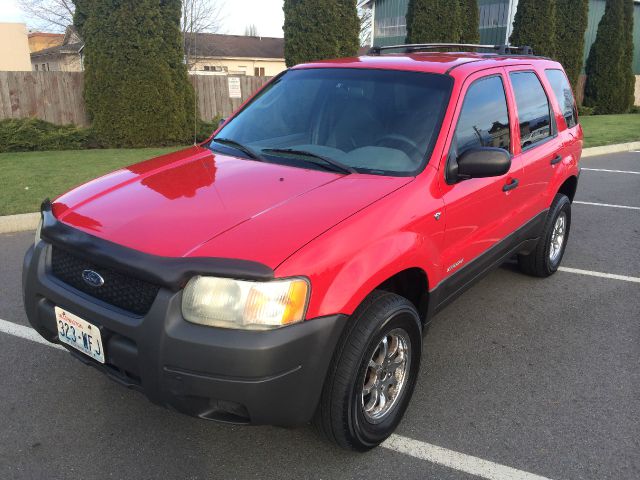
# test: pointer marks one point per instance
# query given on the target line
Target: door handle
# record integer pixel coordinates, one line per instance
(510, 186)
(556, 159)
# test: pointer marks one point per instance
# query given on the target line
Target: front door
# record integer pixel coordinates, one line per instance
(479, 211)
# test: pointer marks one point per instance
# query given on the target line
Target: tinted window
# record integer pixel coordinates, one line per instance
(533, 108)
(484, 119)
(564, 95)
(375, 121)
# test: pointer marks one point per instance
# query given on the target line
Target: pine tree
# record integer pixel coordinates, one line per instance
(535, 26)
(136, 87)
(320, 29)
(469, 21)
(627, 57)
(433, 21)
(571, 24)
(606, 87)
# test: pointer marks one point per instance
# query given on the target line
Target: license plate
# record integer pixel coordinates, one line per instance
(79, 334)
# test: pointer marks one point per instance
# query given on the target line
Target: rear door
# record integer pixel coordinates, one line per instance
(479, 211)
(537, 146)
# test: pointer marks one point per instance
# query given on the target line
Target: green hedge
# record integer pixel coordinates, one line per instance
(25, 135)
(30, 135)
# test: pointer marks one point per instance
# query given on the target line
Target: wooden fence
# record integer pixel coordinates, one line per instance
(57, 96)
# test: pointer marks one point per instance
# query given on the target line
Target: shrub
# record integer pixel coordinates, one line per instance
(320, 29)
(606, 88)
(136, 88)
(433, 21)
(571, 24)
(30, 134)
(469, 21)
(535, 25)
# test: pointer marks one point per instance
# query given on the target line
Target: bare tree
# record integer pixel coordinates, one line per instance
(251, 31)
(53, 15)
(197, 15)
(366, 22)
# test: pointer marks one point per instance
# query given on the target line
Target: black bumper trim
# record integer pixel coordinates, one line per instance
(170, 272)
(258, 377)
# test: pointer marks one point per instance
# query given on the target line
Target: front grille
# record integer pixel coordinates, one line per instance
(119, 289)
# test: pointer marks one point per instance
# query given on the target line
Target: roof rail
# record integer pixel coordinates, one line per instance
(417, 47)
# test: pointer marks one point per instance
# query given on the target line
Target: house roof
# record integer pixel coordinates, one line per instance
(206, 45)
(215, 45)
(60, 49)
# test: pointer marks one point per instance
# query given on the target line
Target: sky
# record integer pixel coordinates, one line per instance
(267, 15)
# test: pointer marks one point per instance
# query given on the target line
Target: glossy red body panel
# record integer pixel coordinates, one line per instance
(347, 234)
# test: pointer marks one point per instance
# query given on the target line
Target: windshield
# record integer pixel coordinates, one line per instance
(369, 121)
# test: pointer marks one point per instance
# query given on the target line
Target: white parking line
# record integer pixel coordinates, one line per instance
(456, 460)
(27, 333)
(609, 171)
(611, 276)
(607, 205)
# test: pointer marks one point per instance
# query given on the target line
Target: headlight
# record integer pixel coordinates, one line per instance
(38, 230)
(228, 303)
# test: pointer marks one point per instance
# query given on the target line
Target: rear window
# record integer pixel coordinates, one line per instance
(534, 113)
(564, 96)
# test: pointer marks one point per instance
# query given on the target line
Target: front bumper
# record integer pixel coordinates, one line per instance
(258, 377)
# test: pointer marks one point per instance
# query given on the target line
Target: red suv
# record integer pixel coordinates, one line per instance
(286, 269)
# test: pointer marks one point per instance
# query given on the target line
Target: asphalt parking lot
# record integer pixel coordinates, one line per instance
(522, 378)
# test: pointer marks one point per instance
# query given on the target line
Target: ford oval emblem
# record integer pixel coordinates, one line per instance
(92, 278)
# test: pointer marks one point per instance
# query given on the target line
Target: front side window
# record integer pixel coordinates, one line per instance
(533, 108)
(564, 95)
(484, 119)
(372, 121)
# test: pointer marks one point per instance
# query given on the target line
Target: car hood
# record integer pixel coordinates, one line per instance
(193, 203)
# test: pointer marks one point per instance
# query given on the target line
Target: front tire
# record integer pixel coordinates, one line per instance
(545, 259)
(372, 374)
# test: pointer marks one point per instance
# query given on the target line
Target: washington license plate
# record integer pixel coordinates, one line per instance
(79, 334)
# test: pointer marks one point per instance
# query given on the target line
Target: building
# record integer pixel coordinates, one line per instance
(213, 54)
(496, 23)
(205, 54)
(65, 57)
(41, 40)
(14, 47)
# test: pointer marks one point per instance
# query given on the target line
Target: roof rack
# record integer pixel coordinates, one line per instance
(417, 47)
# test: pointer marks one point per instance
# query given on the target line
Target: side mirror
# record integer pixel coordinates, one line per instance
(221, 122)
(480, 162)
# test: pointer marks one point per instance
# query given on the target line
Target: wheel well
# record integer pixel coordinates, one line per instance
(411, 284)
(569, 187)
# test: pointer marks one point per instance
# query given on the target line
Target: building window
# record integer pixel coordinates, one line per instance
(259, 71)
(391, 27)
(36, 67)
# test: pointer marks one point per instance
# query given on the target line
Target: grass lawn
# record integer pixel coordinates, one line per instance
(609, 129)
(28, 178)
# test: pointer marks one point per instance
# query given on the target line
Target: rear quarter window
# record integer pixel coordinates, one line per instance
(562, 91)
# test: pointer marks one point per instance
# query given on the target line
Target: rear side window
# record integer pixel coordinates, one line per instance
(484, 119)
(564, 96)
(533, 108)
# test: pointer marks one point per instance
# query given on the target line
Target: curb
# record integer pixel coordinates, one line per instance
(19, 223)
(603, 150)
(29, 221)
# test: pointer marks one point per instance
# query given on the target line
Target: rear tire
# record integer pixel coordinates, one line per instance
(372, 374)
(545, 259)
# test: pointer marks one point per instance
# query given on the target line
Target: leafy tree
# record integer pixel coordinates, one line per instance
(469, 21)
(320, 29)
(571, 23)
(136, 87)
(433, 21)
(606, 88)
(535, 26)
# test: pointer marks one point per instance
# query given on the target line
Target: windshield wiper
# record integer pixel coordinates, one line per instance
(335, 165)
(250, 152)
